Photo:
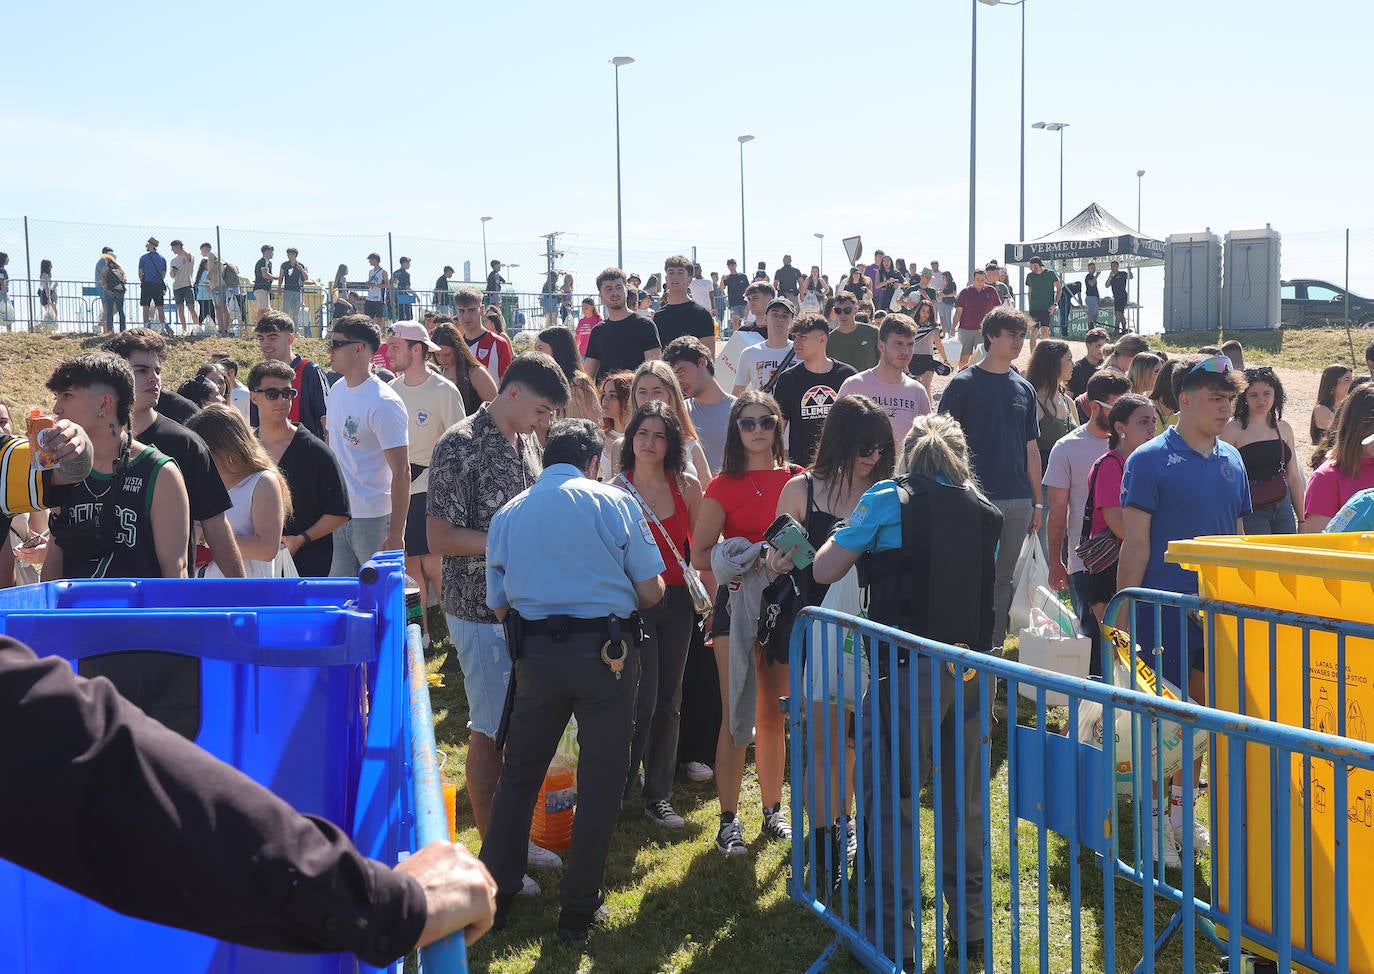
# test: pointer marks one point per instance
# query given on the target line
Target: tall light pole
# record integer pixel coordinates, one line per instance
(743, 254)
(1021, 225)
(821, 238)
(619, 63)
(486, 264)
(1139, 185)
(972, 139)
(1057, 127)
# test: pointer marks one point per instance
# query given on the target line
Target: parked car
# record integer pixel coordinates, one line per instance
(1310, 302)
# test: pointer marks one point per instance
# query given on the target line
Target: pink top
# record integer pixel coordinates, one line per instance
(903, 400)
(584, 332)
(1107, 487)
(1329, 488)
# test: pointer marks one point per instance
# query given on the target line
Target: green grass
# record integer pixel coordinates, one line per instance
(1310, 349)
(678, 906)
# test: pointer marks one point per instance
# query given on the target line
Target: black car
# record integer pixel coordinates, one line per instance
(1308, 302)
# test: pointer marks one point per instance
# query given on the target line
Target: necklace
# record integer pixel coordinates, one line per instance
(749, 477)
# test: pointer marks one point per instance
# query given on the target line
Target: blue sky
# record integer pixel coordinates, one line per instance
(421, 118)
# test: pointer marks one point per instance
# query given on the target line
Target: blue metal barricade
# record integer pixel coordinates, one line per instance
(923, 698)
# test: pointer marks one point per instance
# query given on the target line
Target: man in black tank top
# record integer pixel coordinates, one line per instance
(129, 518)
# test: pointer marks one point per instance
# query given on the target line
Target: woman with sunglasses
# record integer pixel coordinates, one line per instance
(856, 451)
(653, 461)
(615, 414)
(319, 497)
(655, 381)
(1347, 467)
(458, 365)
(1331, 392)
(1265, 442)
(740, 503)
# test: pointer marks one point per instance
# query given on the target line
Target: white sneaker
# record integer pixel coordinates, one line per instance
(1168, 847)
(1202, 837)
(541, 858)
(696, 771)
(528, 887)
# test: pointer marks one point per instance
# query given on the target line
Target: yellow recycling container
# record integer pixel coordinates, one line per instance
(1329, 575)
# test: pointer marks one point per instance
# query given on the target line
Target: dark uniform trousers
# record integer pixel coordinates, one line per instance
(556, 680)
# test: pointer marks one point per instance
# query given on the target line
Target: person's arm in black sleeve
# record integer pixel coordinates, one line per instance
(109, 803)
(313, 389)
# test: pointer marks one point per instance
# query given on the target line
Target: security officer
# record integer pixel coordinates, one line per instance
(570, 611)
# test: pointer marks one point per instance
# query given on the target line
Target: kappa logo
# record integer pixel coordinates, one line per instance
(1173, 459)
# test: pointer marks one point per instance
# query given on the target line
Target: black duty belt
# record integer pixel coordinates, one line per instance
(559, 626)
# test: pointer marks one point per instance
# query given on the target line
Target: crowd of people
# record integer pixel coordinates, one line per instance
(591, 515)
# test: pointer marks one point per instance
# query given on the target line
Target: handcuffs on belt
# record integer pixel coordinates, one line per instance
(617, 638)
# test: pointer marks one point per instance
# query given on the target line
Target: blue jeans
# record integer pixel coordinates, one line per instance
(1275, 518)
(1087, 622)
(114, 305)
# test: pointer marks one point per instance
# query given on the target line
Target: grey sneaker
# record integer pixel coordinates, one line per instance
(730, 838)
(775, 824)
(661, 813)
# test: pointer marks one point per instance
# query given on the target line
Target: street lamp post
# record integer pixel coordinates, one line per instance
(821, 238)
(1021, 225)
(486, 264)
(1139, 185)
(619, 63)
(972, 139)
(1057, 127)
(743, 254)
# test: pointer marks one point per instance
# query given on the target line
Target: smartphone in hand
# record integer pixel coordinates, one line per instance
(784, 534)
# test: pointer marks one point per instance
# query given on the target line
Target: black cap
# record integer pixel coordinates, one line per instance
(780, 303)
(1037, 260)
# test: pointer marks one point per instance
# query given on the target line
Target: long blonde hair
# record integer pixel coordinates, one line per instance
(662, 371)
(936, 448)
(229, 439)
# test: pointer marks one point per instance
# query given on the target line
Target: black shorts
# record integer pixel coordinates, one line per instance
(720, 614)
(1043, 318)
(1101, 586)
(151, 293)
(374, 309)
(184, 295)
(417, 536)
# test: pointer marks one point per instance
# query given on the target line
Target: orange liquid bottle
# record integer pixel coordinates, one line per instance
(38, 423)
(551, 827)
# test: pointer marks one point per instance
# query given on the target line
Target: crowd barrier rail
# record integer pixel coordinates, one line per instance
(312, 687)
(1279, 884)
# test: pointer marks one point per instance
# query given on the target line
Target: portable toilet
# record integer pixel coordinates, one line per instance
(1192, 282)
(1250, 290)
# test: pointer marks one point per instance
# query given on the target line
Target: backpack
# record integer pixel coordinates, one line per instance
(230, 275)
(114, 277)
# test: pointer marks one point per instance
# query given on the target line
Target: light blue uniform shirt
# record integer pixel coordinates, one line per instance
(876, 524)
(569, 546)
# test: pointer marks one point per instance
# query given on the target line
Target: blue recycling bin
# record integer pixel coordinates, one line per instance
(303, 688)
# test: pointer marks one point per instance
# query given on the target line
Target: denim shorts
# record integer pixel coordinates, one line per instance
(482, 654)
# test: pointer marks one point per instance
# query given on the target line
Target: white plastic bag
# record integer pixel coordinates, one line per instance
(1165, 734)
(1031, 571)
(826, 661)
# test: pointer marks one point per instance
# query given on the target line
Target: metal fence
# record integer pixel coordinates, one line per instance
(1065, 876)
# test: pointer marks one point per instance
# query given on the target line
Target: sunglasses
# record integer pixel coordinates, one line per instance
(879, 448)
(1260, 372)
(288, 393)
(1217, 363)
(337, 344)
(748, 424)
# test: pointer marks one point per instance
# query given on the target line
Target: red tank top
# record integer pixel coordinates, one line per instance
(679, 529)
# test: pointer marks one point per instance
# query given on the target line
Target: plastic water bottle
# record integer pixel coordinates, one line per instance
(551, 827)
(1356, 514)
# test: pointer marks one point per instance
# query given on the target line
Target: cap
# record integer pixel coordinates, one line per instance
(1037, 260)
(781, 303)
(927, 272)
(413, 331)
(152, 241)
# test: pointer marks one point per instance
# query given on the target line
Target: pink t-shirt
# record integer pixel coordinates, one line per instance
(1329, 488)
(584, 332)
(1107, 487)
(902, 401)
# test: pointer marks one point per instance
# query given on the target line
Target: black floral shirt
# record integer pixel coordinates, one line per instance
(473, 472)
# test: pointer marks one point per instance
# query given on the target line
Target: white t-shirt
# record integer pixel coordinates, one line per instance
(700, 291)
(1071, 461)
(433, 406)
(181, 266)
(757, 364)
(241, 400)
(903, 401)
(363, 421)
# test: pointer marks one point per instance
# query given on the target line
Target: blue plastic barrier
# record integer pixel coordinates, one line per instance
(303, 688)
(1056, 783)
